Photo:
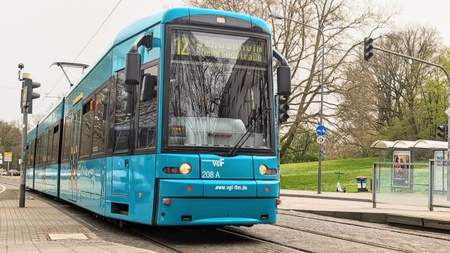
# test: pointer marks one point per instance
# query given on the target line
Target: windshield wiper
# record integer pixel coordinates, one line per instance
(246, 135)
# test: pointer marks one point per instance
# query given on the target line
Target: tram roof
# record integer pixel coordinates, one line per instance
(402, 144)
(172, 14)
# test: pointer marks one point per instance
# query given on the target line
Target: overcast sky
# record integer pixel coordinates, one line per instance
(40, 32)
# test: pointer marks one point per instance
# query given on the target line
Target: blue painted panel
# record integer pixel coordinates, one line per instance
(91, 185)
(96, 76)
(271, 163)
(174, 13)
(200, 11)
(210, 211)
(136, 27)
(46, 179)
(51, 118)
(142, 188)
(175, 160)
(120, 175)
(219, 167)
(65, 191)
(179, 188)
(121, 50)
(29, 183)
(142, 24)
(140, 194)
(268, 188)
(52, 179)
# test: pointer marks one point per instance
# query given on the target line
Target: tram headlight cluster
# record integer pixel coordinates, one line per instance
(266, 171)
(184, 169)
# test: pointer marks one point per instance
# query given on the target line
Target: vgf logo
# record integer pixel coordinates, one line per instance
(216, 163)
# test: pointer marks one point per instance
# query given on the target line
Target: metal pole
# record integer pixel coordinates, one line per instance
(322, 80)
(431, 165)
(319, 168)
(23, 163)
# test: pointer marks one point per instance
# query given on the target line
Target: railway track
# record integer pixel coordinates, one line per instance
(355, 234)
(404, 230)
(226, 239)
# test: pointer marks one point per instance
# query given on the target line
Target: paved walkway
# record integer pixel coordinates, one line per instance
(40, 227)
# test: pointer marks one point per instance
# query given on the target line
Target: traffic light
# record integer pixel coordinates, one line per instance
(368, 48)
(283, 109)
(443, 131)
(29, 85)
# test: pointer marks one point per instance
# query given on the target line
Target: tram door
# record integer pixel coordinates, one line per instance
(122, 138)
(74, 154)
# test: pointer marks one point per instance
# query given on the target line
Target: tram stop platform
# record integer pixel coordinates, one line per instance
(42, 227)
(359, 206)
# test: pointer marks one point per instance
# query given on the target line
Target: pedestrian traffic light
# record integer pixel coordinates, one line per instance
(283, 109)
(368, 48)
(29, 85)
(443, 131)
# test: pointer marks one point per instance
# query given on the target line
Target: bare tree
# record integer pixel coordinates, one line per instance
(9, 142)
(395, 94)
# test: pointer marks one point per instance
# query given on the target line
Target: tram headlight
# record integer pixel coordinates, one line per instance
(185, 168)
(262, 169)
(266, 171)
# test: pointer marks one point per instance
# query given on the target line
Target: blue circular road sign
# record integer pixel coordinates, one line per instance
(321, 130)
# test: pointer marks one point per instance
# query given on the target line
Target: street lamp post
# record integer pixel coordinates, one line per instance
(319, 168)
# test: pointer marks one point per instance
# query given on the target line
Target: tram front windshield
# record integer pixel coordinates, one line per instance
(218, 91)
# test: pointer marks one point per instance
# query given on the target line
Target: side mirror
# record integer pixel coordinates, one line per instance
(133, 68)
(133, 61)
(284, 80)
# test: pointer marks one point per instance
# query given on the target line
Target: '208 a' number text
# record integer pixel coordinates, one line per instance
(210, 174)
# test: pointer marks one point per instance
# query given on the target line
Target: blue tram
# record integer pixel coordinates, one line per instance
(175, 125)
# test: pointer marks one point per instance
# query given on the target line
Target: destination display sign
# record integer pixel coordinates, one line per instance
(190, 44)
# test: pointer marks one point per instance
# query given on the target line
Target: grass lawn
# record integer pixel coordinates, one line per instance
(304, 176)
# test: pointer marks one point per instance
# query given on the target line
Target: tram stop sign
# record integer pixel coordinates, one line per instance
(321, 130)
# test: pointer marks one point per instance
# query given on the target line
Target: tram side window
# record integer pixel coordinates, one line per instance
(31, 150)
(38, 151)
(66, 138)
(122, 122)
(42, 149)
(100, 101)
(49, 145)
(45, 150)
(148, 108)
(55, 144)
(86, 127)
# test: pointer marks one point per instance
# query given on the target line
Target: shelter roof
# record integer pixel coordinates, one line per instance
(402, 144)
(380, 144)
(429, 144)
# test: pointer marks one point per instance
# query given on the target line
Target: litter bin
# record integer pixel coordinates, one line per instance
(362, 183)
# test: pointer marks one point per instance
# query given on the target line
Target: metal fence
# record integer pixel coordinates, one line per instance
(412, 184)
(439, 196)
